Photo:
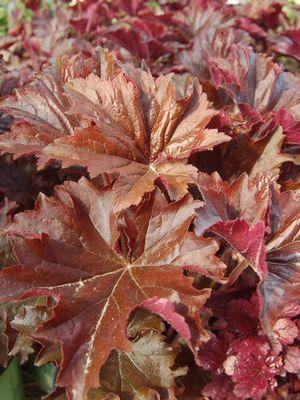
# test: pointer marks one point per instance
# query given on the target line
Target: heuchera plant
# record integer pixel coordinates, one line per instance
(150, 206)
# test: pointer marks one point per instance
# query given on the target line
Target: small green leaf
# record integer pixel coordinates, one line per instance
(3, 20)
(45, 376)
(11, 382)
(154, 5)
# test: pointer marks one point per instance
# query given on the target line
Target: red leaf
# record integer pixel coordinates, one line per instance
(247, 240)
(121, 121)
(287, 43)
(292, 360)
(243, 198)
(7, 209)
(255, 80)
(285, 331)
(130, 6)
(70, 246)
(280, 291)
(32, 4)
(252, 367)
(291, 127)
(166, 309)
(221, 388)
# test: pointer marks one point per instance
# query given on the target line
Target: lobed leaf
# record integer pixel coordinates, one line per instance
(73, 248)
